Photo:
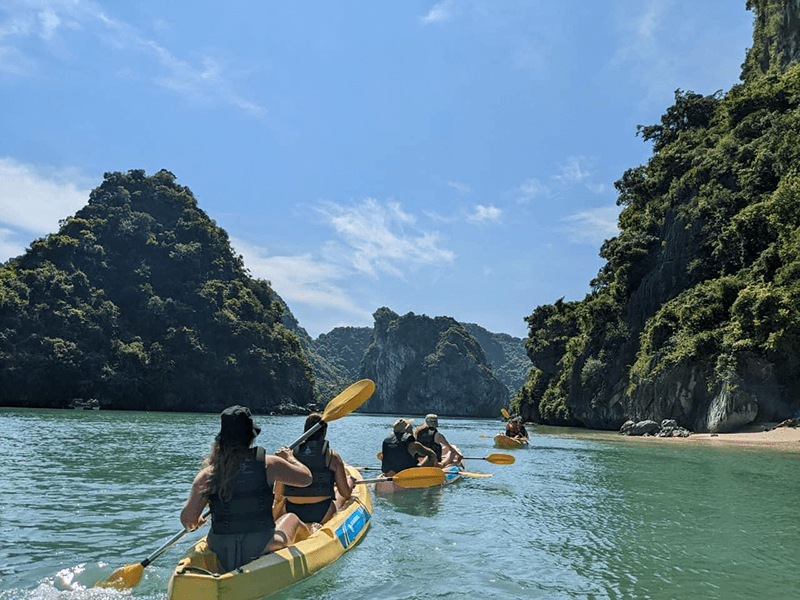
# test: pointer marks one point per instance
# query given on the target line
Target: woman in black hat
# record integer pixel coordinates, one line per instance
(237, 482)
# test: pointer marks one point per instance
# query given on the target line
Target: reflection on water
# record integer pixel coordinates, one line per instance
(585, 517)
(423, 502)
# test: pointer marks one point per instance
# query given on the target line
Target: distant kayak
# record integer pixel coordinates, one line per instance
(197, 575)
(501, 440)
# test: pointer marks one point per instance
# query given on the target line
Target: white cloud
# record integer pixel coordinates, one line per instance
(462, 188)
(34, 199)
(529, 189)
(207, 81)
(10, 247)
(441, 11)
(572, 172)
(440, 218)
(301, 279)
(485, 214)
(593, 226)
(376, 237)
(370, 237)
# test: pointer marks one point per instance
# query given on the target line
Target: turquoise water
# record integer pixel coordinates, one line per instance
(86, 492)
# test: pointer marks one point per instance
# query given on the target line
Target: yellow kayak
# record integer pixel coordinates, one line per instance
(503, 441)
(197, 575)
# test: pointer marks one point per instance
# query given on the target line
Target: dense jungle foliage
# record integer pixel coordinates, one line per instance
(706, 267)
(138, 301)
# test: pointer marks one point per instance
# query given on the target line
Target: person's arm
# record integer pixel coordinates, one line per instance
(429, 456)
(191, 515)
(342, 480)
(284, 467)
(455, 453)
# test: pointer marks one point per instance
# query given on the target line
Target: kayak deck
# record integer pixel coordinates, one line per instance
(503, 441)
(198, 577)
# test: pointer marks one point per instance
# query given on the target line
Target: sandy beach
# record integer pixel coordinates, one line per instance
(756, 435)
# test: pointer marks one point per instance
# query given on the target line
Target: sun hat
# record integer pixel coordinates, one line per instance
(236, 424)
(432, 420)
(401, 425)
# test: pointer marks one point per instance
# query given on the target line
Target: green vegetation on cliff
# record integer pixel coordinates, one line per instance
(703, 276)
(422, 364)
(139, 301)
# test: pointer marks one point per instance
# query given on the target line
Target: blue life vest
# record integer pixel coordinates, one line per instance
(250, 506)
(314, 455)
(427, 437)
(395, 453)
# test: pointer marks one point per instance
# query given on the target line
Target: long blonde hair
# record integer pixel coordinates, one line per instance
(225, 461)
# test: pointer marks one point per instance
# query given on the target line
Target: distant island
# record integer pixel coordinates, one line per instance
(139, 303)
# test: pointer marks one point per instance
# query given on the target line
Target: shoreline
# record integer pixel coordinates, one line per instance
(755, 435)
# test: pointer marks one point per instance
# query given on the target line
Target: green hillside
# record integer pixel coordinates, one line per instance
(138, 301)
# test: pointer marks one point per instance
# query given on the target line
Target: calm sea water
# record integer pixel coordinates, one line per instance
(85, 492)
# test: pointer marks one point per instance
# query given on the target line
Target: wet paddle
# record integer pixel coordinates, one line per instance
(505, 413)
(350, 399)
(341, 406)
(416, 477)
(470, 474)
(497, 458)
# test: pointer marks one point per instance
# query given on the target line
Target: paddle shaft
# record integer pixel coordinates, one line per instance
(158, 552)
(314, 428)
(375, 480)
(345, 403)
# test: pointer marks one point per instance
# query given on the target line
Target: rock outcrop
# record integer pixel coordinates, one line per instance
(421, 364)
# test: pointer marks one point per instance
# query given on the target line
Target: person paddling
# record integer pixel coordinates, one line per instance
(318, 502)
(429, 436)
(237, 482)
(401, 450)
(515, 429)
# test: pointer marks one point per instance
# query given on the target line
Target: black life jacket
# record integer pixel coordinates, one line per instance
(427, 437)
(314, 455)
(395, 453)
(250, 506)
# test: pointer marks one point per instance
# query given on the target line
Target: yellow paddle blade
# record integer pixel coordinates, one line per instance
(380, 455)
(505, 413)
(499, 458)
(418, 477)
(123, 578)
(469, 474)
(349, 400)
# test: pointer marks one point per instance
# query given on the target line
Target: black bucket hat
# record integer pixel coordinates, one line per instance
(236, 425)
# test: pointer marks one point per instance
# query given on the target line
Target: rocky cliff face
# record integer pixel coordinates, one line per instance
(695, 316)
(421, 364)
(776, 37)
(505, 355)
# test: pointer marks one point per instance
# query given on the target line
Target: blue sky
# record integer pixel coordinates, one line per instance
(445, 158)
